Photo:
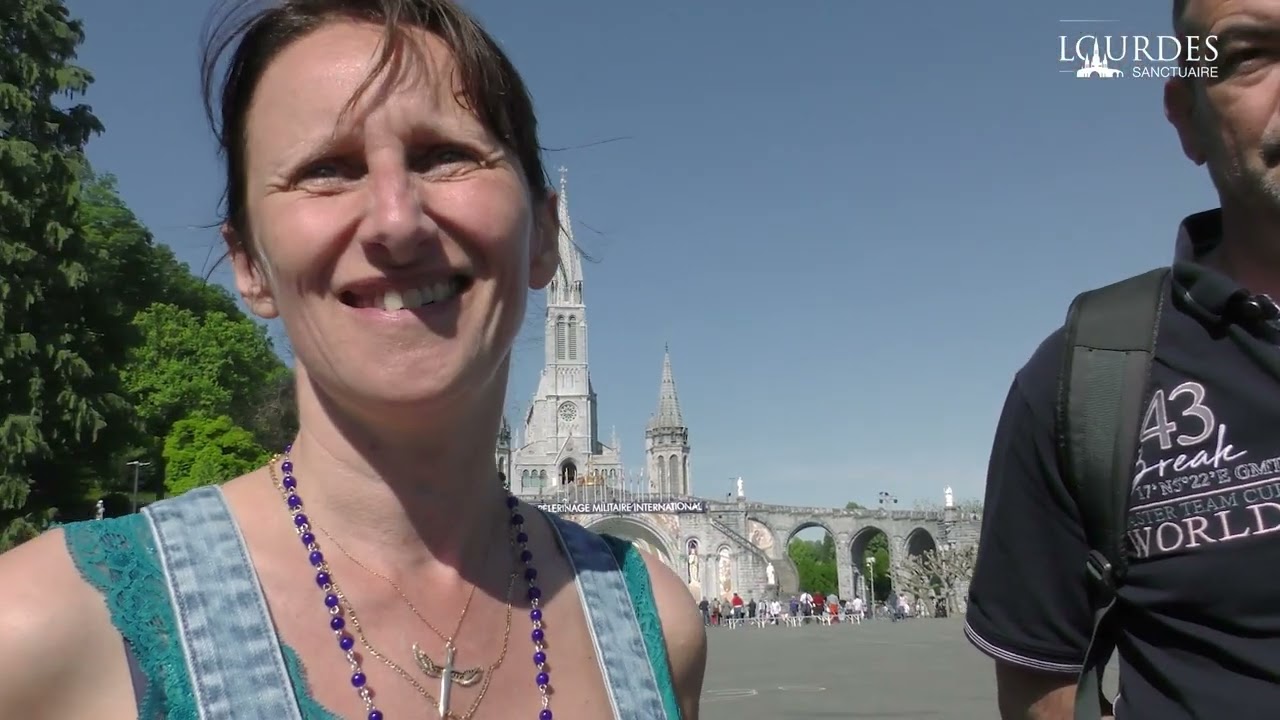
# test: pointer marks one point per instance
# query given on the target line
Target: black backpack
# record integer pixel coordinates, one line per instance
(1102, 393)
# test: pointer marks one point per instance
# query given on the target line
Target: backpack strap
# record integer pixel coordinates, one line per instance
(1110, 342)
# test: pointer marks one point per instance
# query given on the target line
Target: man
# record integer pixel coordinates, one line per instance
(1198, 614)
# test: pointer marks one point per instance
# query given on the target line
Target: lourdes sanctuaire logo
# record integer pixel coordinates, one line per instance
(1097, 55)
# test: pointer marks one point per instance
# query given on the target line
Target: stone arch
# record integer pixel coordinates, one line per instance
(857, 555)
(920, 541)
(805, 524)
(792, 573)
(639, 530)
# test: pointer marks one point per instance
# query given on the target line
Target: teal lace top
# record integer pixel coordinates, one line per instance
(118, 558)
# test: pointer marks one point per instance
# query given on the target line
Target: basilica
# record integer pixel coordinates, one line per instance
(559, 464)
(559, 444)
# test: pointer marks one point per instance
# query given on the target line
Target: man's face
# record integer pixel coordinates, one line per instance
(1232, 122)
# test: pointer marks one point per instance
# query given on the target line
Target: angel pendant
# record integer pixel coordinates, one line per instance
(448, 676)
(464, 678)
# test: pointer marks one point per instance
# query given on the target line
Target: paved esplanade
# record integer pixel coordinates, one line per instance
(896, 671)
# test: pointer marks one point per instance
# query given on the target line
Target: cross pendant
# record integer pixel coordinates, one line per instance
(446, 680)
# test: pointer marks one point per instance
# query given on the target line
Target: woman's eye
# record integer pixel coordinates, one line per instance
(440, 158)
(330, 170)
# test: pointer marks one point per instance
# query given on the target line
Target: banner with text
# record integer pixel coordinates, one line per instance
(605, 507)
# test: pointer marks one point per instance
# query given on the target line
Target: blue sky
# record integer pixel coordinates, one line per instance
(852, 221)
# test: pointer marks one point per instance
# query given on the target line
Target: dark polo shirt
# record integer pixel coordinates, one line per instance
(1200, 609)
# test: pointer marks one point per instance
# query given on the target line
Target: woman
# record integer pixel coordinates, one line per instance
(386, 201)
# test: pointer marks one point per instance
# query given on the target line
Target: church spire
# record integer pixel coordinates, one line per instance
(668, 415)
(568, 285)
(667, 439)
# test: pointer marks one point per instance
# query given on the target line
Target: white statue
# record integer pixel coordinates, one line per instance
(740, 493)
(770, 577)
(950, 498)
(693, 565)
(100, 510)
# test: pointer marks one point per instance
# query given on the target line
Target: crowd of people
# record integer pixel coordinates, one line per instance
(806, 607)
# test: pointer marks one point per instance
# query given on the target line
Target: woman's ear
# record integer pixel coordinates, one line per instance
(544, 257)
(252, 280)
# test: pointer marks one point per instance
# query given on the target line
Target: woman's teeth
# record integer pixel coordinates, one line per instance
(393, 300)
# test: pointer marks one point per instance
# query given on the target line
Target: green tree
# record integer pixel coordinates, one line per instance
(815, 563)
(878, 548)
(190, 364)
(205, 450)
(136, 271)
(275, 423)
(57, 380)
(215, 364)
(131, 273)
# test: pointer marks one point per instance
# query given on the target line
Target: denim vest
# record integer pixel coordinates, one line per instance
(235, 666)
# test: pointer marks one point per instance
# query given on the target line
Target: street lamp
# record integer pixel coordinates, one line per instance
(871, 578)
(137, 467)
(887, 499)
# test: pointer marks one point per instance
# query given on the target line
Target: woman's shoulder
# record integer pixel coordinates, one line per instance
(45, 594)
(679, 619)
(104, 551)
(56, 625)
(666, 612)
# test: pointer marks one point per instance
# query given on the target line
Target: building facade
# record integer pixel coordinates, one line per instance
(559, 462)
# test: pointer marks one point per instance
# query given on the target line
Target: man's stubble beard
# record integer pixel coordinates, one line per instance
(1245, 177)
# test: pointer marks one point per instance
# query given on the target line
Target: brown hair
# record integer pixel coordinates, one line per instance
(253, 36)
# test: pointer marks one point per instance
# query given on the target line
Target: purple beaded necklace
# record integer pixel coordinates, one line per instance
(337, 624)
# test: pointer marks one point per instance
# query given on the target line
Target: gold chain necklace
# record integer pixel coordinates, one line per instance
(447, 674)
(466, 677)
(442, 703)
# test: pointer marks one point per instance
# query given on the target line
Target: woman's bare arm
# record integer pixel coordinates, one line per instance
(62, 657)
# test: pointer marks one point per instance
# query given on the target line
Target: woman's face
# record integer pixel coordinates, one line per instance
(396, 238)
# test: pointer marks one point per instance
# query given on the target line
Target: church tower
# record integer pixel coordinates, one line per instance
(502, 453)
(561, 440)
(666, 440)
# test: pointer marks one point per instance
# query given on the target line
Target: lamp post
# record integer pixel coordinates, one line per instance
(887, 499)
(137, 467)
(871, 583)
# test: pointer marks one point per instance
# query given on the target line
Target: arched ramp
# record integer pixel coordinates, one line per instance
(790, 574)
(644, 535)
(787, 579)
